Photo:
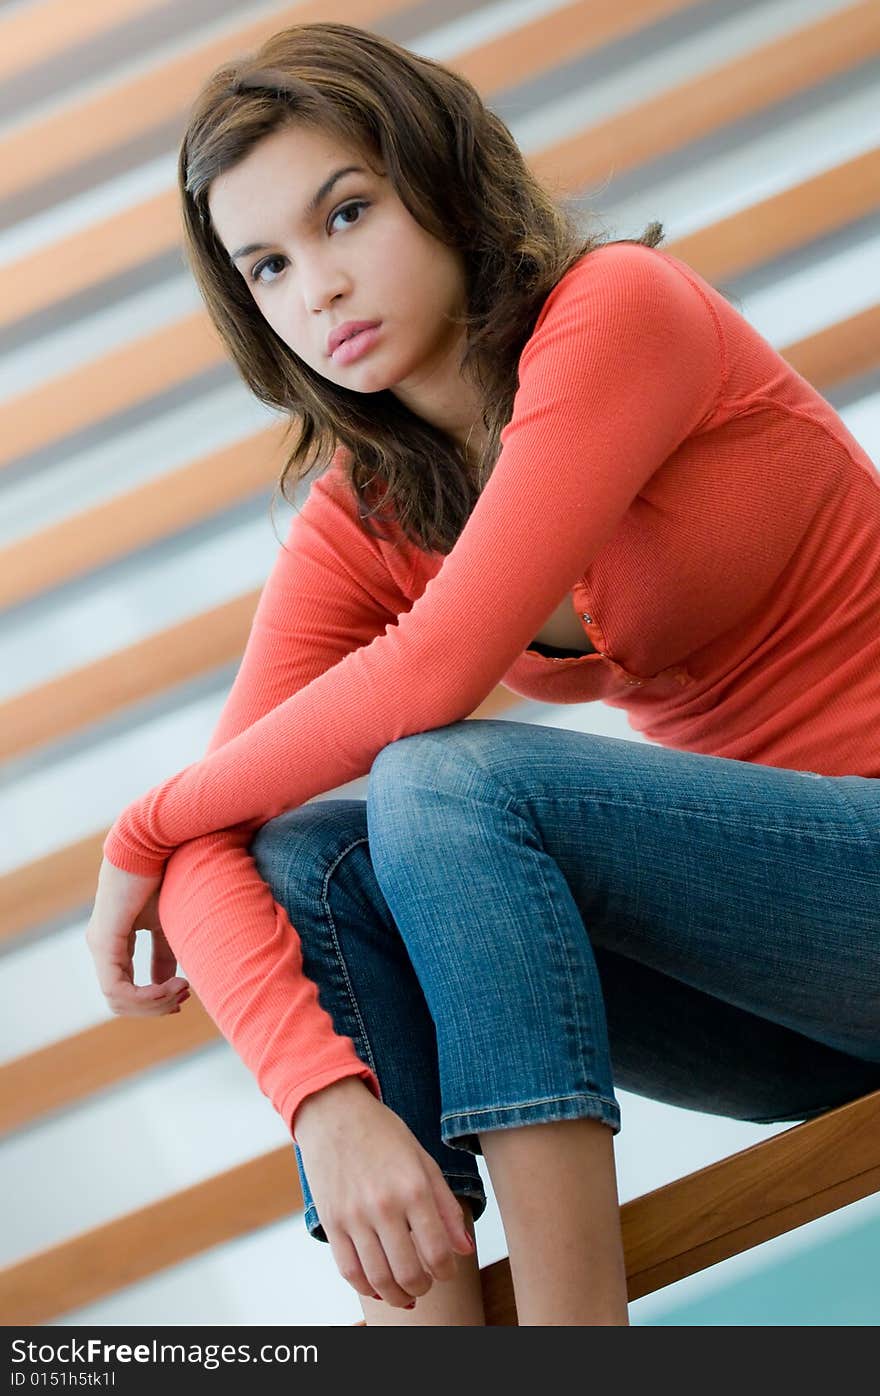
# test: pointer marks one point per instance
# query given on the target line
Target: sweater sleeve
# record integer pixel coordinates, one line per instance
(624, 363)
(240, 949)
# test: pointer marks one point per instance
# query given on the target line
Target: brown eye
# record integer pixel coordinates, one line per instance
(346, 208)
(266, 262)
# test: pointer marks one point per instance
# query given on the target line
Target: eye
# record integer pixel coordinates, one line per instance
(266, 262)
(258, 267)
(346, 208)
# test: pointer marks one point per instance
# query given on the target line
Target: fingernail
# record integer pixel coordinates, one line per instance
(410, 1306)
(375, 1296)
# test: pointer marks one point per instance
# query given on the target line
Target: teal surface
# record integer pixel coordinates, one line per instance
(836, 1282)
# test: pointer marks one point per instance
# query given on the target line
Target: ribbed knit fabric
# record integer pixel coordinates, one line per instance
(715, 526)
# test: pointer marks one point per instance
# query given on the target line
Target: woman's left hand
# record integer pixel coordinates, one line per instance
(124, 904)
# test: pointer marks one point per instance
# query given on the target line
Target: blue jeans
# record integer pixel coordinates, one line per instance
(520, 918)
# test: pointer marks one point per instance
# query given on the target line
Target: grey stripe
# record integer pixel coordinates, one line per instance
(92, 58)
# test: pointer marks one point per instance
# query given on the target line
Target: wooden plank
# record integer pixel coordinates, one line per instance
(34, 33)
(70, 1071)
(131, 374)
(845, 350)
(785, 222)
(45, 148)
(716, 1212)
(105, 1259)
(143, 516)
(55, 885)
(761, 1192)
(97, 253)
(93, 692)
(120, 242)
(111, 383)
(796, 62)
(181, 498)
(741, 1201)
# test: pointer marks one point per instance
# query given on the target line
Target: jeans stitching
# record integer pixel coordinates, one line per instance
(338, 948)
(522, 1104)
(583, 1030)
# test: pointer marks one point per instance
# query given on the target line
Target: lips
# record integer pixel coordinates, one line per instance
(343, 332)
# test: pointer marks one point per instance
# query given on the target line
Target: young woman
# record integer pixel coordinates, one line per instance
(573, 467)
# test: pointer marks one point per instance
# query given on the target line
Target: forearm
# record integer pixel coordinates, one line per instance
(243, 958)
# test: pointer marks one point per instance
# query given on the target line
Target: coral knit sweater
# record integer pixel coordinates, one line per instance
(714, 525)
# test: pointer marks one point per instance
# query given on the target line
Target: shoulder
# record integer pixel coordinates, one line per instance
(631, 305)
(624, 277)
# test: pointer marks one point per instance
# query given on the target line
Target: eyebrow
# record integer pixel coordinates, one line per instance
(311, 209)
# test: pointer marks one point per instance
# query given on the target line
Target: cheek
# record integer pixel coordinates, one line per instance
(273, 315)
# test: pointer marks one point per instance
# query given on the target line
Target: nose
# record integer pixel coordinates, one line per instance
(321, 285)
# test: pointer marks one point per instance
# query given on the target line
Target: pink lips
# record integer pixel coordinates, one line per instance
(356, 345)
(346, 331)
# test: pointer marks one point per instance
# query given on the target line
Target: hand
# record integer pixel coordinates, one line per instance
(393, 1223)
(125, 903)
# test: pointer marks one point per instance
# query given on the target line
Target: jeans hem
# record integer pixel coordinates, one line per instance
(459, 1128)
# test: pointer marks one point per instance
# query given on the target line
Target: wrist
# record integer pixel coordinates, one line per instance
(123, 888)
(318, 1110)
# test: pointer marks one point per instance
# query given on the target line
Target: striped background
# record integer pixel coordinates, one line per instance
(144, 1178)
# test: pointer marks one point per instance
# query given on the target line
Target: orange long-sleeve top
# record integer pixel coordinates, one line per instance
(716, 528)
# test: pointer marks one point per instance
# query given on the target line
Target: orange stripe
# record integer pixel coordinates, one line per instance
(38, 32)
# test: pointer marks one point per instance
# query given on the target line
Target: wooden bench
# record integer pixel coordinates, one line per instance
(738, 1202)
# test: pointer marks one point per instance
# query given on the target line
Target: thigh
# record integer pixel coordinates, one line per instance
(671, 1042)
(757, 885)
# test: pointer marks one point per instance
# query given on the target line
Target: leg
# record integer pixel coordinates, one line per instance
(316, 860)
(564, 1238)
(706, 876)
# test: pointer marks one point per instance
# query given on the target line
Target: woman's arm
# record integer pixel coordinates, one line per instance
(624, 363)
(237, 944)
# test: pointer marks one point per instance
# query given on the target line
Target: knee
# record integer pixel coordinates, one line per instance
(428, 790)
(461, 761)
(294, 851)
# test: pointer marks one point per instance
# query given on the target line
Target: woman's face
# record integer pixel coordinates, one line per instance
(360, 256)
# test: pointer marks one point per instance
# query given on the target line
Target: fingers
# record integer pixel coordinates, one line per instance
(349, 1265)
(391, 1266)
(113, 955)
(451, 1214)
(401, 1264)
(433, 1241)
(148, 1000)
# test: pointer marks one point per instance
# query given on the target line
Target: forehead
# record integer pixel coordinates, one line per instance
(280, 173)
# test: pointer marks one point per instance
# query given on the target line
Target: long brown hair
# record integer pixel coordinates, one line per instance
(459, 172)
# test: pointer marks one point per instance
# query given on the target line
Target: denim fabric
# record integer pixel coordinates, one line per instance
(520, 919)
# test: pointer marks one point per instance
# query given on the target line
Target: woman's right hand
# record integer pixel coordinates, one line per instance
(124, 904)
(393, 1223)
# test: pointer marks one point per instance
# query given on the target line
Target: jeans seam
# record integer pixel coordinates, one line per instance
(582, 1030)
(522, 1104)
(325, 901)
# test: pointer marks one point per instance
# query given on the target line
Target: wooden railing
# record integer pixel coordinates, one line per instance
(781, 1183)
(738, 1202)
